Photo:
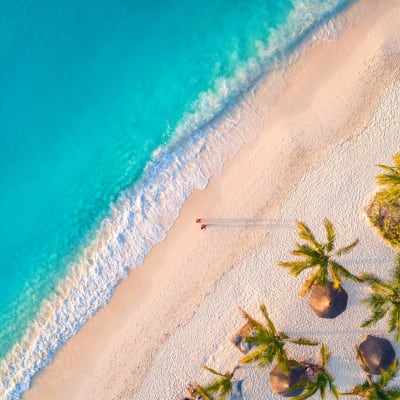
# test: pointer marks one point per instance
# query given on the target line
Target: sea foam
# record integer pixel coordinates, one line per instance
(223, 120)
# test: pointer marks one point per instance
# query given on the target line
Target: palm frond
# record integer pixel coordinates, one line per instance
(330, 235)
(368, 390)
(310, 390)
(387, 168)
(304, 250)
(323, 277)
(263, 337)
(315, 276)
(396, 159)
(222, 386)
(214, 387)
(341, 271)
(394, 320)
(265, 348)
(225, 391)
(257, 356)
(346, 249)
(201, 391)
(391, 178)
(370, 278)
(296, 267)
(305, 233)
(304, 342)
(334, 391)
(268, 319)
(213, 371)
(322, 388)
(395, 168)
(393, 393)
(325, 355)
(336, 278)
(325, 379)
(283, 361)
(332, 386)
(375, 301)
(253, 322)
(388, 375)
(222, 390)
(375, 317)
(376, 283)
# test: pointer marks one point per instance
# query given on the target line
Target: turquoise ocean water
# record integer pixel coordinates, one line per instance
(111, 114)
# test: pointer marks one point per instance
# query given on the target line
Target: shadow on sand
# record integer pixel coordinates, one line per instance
(244, 222)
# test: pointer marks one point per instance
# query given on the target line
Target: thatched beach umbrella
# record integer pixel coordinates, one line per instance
(283, 384)
(375, 354)
(328, 302)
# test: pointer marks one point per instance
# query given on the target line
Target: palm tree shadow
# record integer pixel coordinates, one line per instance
(250, 223)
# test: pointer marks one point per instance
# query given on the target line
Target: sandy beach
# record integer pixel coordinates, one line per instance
(334, 118)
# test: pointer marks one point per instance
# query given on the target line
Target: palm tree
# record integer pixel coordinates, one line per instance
(377, 390)
(267, 344)
(319, 379)
(319, 257)
(221, 387)
(391, 179)
(384, 300)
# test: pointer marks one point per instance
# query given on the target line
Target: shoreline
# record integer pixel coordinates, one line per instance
(193, 261)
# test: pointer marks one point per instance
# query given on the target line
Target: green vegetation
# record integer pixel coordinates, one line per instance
(378, 390)
(384, 300)
(384, 214)
(221, 388)
(267, 344)
(319, 257)
(384, 210)
(319, 379)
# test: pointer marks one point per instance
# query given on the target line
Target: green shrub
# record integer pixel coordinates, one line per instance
(384, 214)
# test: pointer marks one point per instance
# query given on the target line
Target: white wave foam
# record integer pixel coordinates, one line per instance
(143, 215)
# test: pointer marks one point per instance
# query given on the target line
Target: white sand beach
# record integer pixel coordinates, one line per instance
(335, 117)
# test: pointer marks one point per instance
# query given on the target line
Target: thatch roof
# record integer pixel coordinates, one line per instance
(282, 384)
(375, 354)
(328, 302)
